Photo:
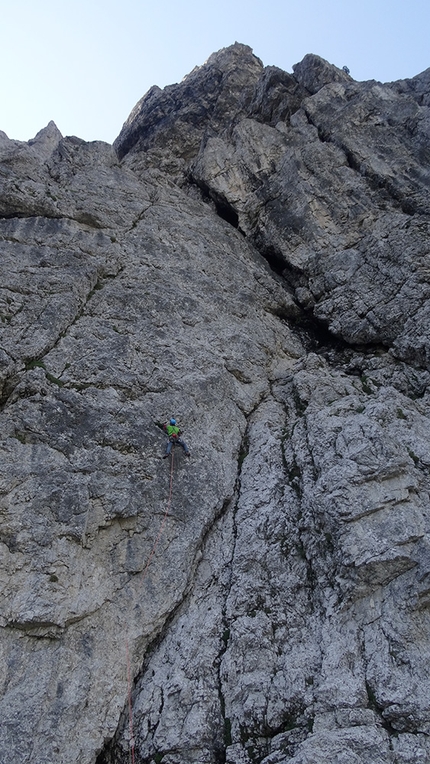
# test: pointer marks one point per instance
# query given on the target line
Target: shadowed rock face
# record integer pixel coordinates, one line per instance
(251, 257)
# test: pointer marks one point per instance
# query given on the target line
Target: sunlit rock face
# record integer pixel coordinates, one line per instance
(251, 257)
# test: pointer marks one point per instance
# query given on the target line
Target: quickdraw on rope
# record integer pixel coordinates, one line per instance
(130, 703)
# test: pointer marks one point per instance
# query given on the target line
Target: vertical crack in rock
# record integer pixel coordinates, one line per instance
(148, 720)
(221, 757)
(152, 720)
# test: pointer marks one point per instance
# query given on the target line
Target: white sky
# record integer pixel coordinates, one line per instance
(85, 63)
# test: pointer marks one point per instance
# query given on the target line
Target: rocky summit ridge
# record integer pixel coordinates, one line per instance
(252, 257)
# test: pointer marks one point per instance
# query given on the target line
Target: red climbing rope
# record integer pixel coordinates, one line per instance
(130, 703)
(130, 708)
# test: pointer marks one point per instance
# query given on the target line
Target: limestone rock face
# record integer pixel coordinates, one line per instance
(252, 258)
(333, 187)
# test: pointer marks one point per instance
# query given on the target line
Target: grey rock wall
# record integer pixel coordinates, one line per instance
(252, 257)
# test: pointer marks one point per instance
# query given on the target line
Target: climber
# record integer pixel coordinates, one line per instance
(173, 431)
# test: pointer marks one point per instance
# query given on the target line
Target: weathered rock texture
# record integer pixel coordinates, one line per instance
(252, 256)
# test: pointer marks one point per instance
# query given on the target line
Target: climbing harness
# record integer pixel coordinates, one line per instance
(153, 550)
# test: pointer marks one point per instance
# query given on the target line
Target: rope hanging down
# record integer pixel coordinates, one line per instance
(130, 708)
(166, 513)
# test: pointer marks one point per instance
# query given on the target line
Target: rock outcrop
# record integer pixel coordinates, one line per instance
(251, 256)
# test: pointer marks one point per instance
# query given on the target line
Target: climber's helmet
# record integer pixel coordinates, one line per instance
(173, 421)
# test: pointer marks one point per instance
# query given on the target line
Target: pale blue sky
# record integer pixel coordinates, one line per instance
(85, 63)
